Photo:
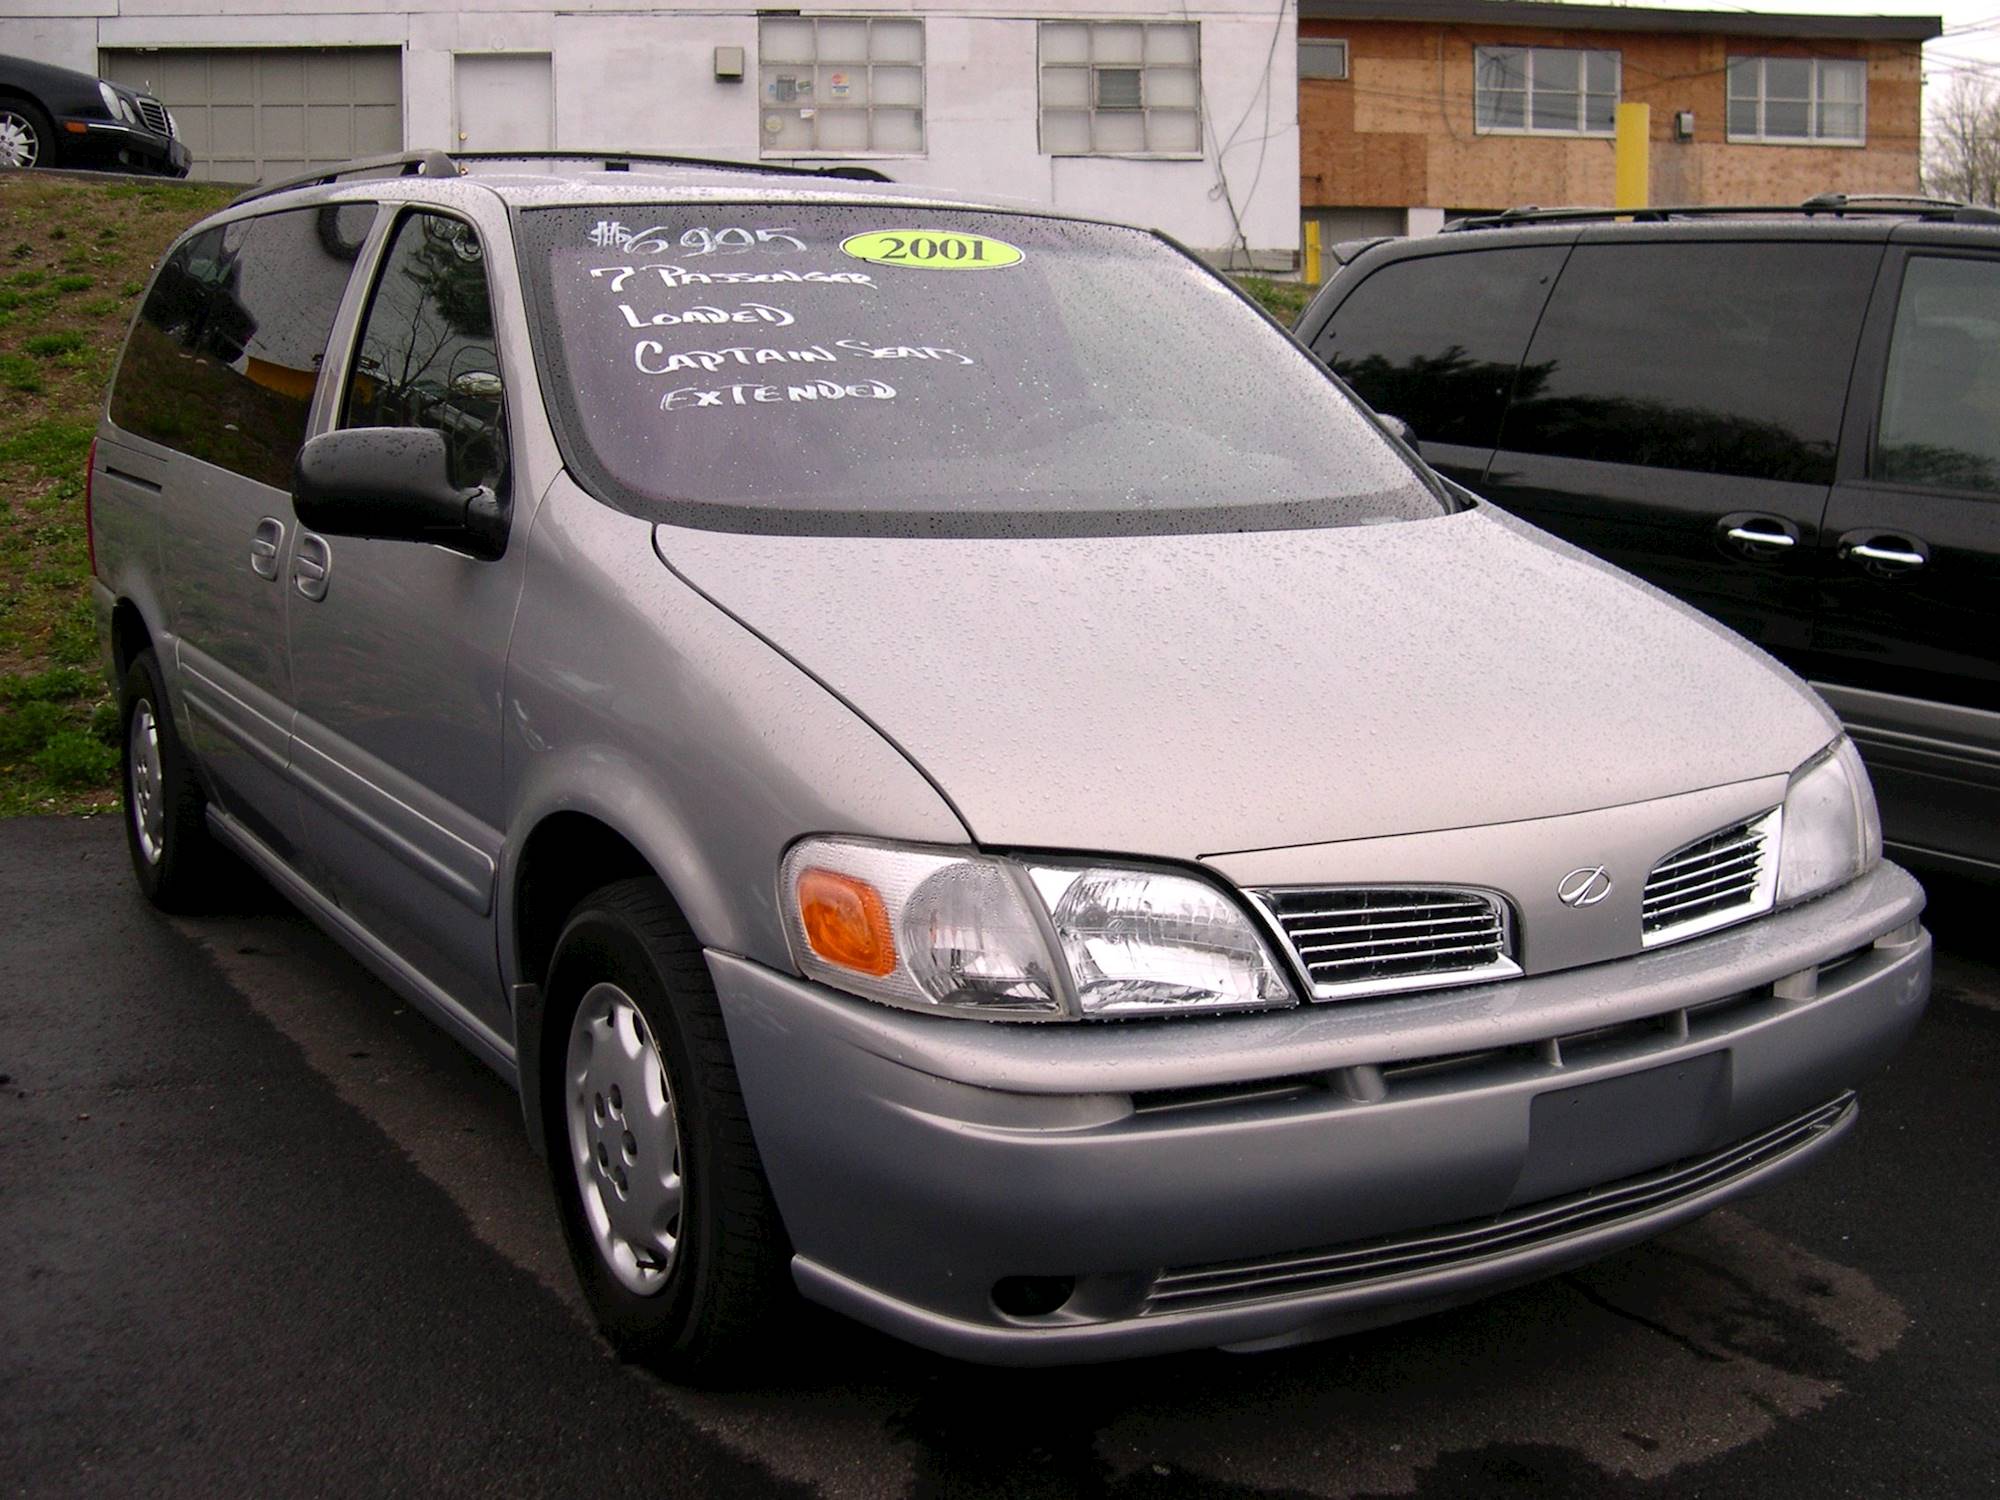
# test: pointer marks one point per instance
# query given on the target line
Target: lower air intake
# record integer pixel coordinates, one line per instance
(1233, 1282)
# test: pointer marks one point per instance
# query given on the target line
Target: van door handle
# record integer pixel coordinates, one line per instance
(312, 561)
(1755, 534)
(265, 543)
(1883, 553)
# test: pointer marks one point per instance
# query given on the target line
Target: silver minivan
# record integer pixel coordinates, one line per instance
(955, 768)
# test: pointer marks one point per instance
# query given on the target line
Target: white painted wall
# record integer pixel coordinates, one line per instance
(632, 80)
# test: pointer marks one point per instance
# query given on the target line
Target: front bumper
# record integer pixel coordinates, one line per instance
(1259, 1180)
(105, 145)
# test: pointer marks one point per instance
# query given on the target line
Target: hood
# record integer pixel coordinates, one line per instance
(1187, 696)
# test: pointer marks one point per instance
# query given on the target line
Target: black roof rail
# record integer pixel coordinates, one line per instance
(621, 161)
(410, 163)
(1837, 205)
(436, 163)
(1953, 210)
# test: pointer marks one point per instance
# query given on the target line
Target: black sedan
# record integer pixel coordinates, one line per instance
(56, 117)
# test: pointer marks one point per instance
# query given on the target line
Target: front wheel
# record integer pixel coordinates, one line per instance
(26, 137)
(665, 1208)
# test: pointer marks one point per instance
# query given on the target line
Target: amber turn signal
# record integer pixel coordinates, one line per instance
(846, 922)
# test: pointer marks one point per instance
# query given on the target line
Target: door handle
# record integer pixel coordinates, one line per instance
(1884, 553)
(265, 543)
(312, 562)
(1887, 555)
(1760, 538)
(1757, 535)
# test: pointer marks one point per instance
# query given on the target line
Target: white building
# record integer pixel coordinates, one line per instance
(1183, 118)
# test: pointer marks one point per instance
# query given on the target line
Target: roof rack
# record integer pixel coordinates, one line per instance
(396, 164)
(1837, 205)
(434, 163)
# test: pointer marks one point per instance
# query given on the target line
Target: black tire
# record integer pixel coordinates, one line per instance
(729, 1276)
(177, 861)
(30, 122)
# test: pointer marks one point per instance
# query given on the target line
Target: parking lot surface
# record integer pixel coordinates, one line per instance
(262, 1227)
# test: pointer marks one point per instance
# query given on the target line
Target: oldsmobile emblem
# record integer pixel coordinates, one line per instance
(1584, 887)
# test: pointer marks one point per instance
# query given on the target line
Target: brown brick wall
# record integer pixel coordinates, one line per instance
(1398, 132)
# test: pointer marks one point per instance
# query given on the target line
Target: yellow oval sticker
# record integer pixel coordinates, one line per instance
(931, 250)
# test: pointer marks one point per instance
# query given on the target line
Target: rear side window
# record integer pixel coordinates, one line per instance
(426, 357)
(1726, 358)
(1435, 339)
(222, 362)
(1941, 397)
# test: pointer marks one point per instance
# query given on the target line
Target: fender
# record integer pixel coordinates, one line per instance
(635, 701)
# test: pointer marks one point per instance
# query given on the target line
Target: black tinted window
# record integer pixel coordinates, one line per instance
(426, 357)
(1435, 339)
(145, 396)
(1725, 358)
(1941, 398)
(223, 359)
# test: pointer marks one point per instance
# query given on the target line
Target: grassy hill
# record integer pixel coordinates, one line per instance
(74, 257)
(1283, 300)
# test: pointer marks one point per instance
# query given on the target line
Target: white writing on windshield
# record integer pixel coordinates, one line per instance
(687, 397)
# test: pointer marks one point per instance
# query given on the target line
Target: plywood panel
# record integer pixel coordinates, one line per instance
(1398, 95)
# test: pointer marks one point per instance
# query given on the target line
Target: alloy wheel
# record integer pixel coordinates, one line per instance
(20, 146)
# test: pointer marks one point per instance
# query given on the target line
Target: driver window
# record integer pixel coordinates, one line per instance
(426, 357)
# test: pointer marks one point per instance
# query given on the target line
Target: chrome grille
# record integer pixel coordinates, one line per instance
(1356, 939)
(1517, 1230)
(154, 114)
(1725, 876)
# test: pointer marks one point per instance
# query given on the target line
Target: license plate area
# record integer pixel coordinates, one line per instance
(1601, 1132)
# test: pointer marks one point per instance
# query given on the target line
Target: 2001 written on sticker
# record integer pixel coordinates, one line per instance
(940, 252)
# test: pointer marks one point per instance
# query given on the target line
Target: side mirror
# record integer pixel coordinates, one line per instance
(1397, 426)
(394, 483)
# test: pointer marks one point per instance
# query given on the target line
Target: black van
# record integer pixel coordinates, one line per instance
(1788, 417)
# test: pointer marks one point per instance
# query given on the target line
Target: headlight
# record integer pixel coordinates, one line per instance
(1139, 942)
(1830, 831)
(975, 935)
(110, 97)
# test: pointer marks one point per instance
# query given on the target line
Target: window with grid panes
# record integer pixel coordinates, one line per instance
(1121, 88)
(1819, 99)
(840, 86)
(1545, 90)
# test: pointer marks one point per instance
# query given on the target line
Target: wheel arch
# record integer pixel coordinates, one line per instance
(564, 854)
(129, 635)
(565, 857)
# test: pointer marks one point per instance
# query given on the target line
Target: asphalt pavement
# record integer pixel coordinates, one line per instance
(264, 1229)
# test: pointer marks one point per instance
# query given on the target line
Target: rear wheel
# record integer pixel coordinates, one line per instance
(668, 1218)
(174, 855)
(26, 137)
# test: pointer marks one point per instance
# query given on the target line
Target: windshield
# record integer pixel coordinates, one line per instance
(872, 369)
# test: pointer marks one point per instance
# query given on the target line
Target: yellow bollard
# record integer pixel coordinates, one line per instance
(1633, 183)
(1310, 268)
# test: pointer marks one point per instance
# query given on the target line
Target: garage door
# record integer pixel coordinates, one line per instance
(253, 114)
